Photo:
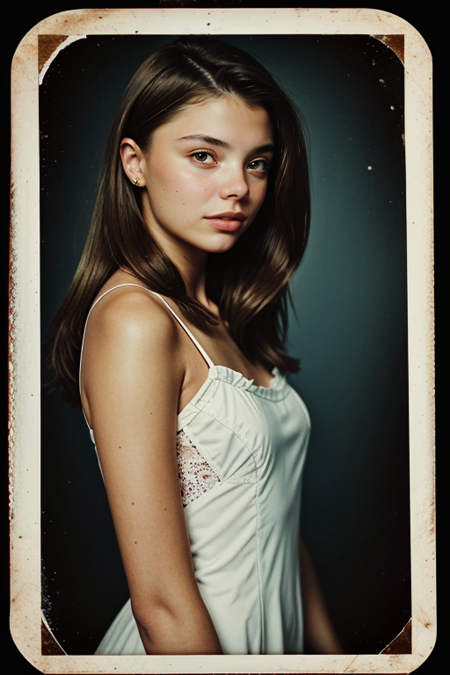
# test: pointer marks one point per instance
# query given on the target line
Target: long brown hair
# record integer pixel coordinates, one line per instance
(249, 283)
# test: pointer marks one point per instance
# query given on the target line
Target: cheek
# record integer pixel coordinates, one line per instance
(184, 182)
(159, 179)
(179, 196)
(190, 190)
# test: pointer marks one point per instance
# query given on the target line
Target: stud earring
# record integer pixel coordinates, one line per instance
(136, 181)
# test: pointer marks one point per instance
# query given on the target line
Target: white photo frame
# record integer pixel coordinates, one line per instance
(35, 54)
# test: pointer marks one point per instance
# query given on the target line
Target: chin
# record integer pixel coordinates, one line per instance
(223, 246)
(224, 241)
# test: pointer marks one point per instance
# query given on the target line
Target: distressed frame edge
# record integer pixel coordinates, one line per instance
(29, 43)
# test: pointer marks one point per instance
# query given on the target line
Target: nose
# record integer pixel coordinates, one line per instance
(234, 185)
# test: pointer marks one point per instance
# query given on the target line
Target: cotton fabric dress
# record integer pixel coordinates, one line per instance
(241, 450)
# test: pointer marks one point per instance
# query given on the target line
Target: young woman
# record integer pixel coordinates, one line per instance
(171, 339)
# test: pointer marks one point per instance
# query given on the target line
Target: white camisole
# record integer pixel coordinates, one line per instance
(241, 450)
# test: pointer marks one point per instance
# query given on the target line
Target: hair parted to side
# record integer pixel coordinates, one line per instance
(249, 282)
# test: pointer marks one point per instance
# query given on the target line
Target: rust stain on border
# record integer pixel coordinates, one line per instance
(50, 646)
(47, 44)
(402, 643)
(11, 332)
(394, 42)
(49, 47)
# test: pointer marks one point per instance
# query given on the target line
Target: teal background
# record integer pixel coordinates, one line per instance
(348, 327)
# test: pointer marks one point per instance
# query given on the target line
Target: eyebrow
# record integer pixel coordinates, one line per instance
(268, 147)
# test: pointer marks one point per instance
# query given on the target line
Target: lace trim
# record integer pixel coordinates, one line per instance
(195, 474)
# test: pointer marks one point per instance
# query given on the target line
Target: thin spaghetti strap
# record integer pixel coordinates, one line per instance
(84, 335)
(186, 329)
(183, 325)
(87, 319)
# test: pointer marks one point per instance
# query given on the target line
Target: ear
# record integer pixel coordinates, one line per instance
(132, 159)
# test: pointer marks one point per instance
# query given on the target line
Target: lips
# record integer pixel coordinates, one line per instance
(228, 221)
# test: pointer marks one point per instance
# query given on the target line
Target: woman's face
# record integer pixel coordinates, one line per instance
(205, 175)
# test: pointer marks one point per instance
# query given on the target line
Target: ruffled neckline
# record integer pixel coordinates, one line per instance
(274, 391)
(277, 390)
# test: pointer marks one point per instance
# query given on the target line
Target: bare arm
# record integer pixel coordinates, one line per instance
(132, 376)
(319, 632)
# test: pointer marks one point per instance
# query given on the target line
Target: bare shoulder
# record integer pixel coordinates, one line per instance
(132, 344)
(133, 315)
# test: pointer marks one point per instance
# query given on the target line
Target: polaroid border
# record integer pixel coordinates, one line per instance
(31, 59)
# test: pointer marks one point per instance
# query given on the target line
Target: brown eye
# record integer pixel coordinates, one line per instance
(258, 165)
(200, 156)
(203, 157)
